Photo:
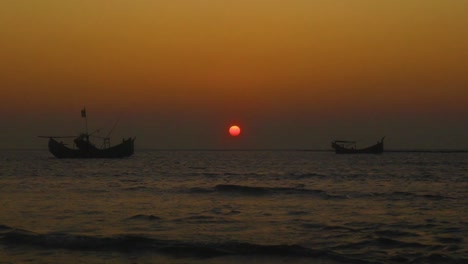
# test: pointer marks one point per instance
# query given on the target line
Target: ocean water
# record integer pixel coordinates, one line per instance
(234, 207)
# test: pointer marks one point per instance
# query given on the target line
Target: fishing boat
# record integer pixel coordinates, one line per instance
(349, 147)
(84, 148)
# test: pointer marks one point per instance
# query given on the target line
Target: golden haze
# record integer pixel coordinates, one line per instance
(275, 59)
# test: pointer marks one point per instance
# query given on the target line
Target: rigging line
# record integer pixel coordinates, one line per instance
(113, 127)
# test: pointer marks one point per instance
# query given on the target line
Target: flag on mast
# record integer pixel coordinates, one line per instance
(83, 112)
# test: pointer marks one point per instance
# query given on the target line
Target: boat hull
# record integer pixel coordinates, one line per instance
(374, 149)
(122, 150)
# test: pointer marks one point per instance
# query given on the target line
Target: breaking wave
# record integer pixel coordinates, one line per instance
(140, 243)
(133, 243)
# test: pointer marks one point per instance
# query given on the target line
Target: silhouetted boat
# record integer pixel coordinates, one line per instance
(349, 147)
(85, 149)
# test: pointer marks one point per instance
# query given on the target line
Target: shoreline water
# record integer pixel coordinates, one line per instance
(234, 207)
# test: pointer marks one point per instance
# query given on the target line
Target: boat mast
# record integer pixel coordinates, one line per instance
(83, 115)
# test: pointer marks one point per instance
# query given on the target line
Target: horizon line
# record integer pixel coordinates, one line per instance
(274, 149)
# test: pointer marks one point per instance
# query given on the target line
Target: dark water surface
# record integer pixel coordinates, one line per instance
(234, 207)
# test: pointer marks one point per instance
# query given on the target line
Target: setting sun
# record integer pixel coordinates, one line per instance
(234, 131)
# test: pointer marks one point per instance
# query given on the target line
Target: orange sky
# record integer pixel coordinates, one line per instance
(358, 69)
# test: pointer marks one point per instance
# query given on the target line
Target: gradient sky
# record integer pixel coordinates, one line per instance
(292, 74)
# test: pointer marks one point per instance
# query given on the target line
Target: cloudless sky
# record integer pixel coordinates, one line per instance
(292, 74)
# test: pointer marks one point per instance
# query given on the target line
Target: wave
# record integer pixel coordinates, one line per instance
(395, 233)
(258, 190)
(415, 195)
(383, 231)
(144, 217)
(198, 171)
(382, 242)
(203, 219)
(132, 243)
(437, 253)
(140, 243)
(299, 190)
(404, 195)
(387, 229)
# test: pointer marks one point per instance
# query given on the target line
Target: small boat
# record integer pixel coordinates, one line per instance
(349, 147)
(83, 148)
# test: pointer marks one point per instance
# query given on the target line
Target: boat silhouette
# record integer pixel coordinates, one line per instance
(349, 147)
(84, 148)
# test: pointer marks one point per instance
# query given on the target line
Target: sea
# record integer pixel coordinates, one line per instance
(177, 206)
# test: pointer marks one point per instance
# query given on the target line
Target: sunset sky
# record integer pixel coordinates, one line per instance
(292, 74)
